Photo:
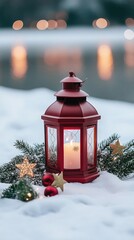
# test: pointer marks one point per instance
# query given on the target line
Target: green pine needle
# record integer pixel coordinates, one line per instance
(24, 147)
(21, 190)
(122, 166)
(36, 154)
(105, 144)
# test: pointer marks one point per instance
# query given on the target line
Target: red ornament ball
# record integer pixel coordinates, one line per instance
(50, 191)
(47, 179)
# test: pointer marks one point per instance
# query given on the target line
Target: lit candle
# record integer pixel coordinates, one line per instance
(72, 155)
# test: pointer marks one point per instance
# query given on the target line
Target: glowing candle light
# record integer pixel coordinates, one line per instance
(72, 155)
(71, 122)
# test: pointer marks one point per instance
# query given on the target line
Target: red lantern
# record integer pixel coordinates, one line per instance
(71, 133)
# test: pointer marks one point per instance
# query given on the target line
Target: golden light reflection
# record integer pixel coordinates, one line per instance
(101, 23)
(129, 54)
(42, 24)
(104, 62)
(64, 59)
(17, 25)
(19, 61)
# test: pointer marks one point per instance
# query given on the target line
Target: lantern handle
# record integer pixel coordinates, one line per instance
(81, 84)
(72, 74)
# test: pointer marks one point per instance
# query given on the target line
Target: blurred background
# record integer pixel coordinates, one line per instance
(42, 40)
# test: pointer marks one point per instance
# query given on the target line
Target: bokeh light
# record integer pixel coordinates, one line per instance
(129, 22)
(105, 62)
(129, 54)
(101, 23)
(63, 59)
(52, 24)
(19, 61)
(129, 34)
(61, 23)
(94, 23)
(17, 25)
(42, 24)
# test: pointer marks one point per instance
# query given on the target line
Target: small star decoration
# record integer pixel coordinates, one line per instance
(75, 148)
(117, 148)
(26, 168)
(58, 181)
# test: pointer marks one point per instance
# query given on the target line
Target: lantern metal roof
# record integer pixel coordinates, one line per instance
(71, 101)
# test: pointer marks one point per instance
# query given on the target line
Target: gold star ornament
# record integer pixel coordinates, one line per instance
(117, 148)
(26, 168)
(58, 181)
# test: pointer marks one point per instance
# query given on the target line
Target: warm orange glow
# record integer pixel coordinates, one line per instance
(129, 54)
(17, 25)
(101, 23)
(42, 24)
(129, 22)
(105, 62)
(52, 24)
(51, 57)
(61, 24)
(63, 59)
(19, 61)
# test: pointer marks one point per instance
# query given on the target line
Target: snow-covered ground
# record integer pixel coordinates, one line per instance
(102, 209)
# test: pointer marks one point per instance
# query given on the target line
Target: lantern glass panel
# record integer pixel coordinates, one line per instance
(72, 149)
(90, 146)
(52, 146)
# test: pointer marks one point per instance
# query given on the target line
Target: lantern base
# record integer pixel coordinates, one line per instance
(81, 179)
(77, 176)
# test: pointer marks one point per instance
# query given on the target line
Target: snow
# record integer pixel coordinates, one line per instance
(102, 209)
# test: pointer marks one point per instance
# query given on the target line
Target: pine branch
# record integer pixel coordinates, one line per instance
(129, 145)
(36, 154)
(128, 155)
(24, 147)
(21, 190)
(126, 169)
(39, 149)
(120, 165)
(106, 143)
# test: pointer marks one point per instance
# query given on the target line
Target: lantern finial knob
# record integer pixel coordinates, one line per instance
(72, 74)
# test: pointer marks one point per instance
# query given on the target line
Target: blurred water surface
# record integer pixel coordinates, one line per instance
(104, 59)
